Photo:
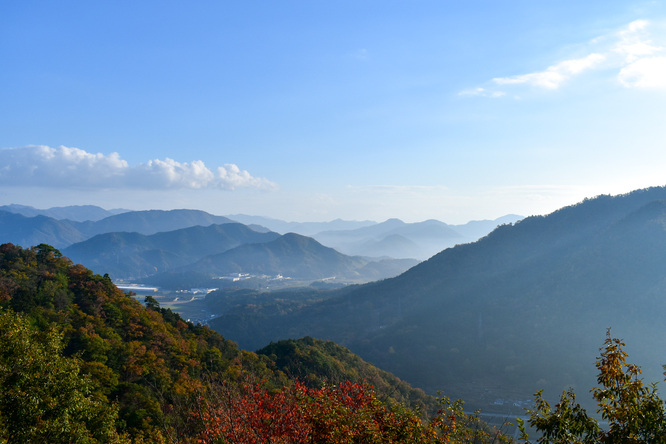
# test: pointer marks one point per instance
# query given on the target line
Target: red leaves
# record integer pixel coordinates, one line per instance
(252, 414)
(347, 413)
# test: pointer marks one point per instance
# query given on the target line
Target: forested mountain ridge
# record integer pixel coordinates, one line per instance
(199, 256)
(24, 230)
(153, 221)
(137, 245)
(522, 309)
(80, 361)
(63, 226)
(292, 255)
(133, 255)
(33, 230)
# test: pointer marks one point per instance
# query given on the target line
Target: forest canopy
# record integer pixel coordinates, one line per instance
(81, 361)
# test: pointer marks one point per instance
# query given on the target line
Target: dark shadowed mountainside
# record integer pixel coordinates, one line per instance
(524, 308)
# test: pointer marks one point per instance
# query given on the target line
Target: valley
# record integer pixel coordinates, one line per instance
(523, 308)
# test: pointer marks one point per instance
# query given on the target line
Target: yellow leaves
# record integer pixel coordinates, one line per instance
(634, 412)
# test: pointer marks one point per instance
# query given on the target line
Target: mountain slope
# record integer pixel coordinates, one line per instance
(152, 221)
(291, 255)
(475, 229)
(323, 363)
(151, 371)
(26, 231)
(133, 255)
(34, 230)
(524, 308)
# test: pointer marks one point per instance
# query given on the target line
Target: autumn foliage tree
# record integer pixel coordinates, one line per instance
(346, 413)
(634, 412)
(81, 361)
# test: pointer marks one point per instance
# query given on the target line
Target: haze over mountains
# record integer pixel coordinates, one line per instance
(135, 255)
(522, 309)
(392, 238)
(191, 247)
(395, 238)
(78, 213)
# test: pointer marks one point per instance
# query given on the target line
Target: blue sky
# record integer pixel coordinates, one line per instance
(314, 110)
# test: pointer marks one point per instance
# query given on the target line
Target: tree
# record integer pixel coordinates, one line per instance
(343, 414)
(634, 412)
(44, 396)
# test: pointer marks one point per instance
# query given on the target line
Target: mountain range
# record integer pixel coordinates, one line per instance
(131, 255)
(524, 308)
(32, 230)
(63, 226)
(182, 248)
(198, 256)
(78, 213)
(300, 257)
(394, 238)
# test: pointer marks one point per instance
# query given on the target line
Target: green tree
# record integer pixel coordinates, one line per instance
(44, 396)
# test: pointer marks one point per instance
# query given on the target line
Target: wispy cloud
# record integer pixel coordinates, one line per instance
(44, 166)
(631, 55)
(554, 76)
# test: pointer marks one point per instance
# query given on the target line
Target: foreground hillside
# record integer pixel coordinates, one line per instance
(522, 309)
(80, 361)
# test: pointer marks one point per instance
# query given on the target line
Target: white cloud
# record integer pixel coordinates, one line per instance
(630, 54)
(44, 166)
(643, 61)
(648, 73)
(554, 76)
(634, 42)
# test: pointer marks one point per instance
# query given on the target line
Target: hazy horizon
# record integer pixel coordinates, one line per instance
(260, 216)
(307, 111)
